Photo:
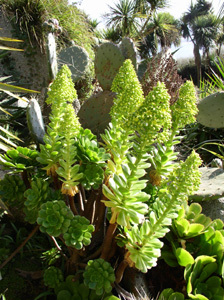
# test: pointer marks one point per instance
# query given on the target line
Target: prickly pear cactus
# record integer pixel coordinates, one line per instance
(94, 113)
(108, 60)
(129, 50)
(52, 29)
(211, 110)
(77, 59)
(212, 184)
(52, 58)
(35, 121)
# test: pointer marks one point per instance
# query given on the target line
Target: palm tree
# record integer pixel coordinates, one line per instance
(162, 30)
(123, 17)
(146, 9)
(200, 26)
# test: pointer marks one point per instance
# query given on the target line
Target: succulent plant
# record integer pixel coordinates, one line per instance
(129, 50)
(52, 56)
(53, 277)
(54, 217)
(211, 187)
(38, 194)
(94, 113)
(202, 280)
(110, 57)
(210, 110)
(72, 289)
(12, 188)
(19, 159)
(99, 275)
(77, 59)
(79, 233)
(108, 60)
(35, 121)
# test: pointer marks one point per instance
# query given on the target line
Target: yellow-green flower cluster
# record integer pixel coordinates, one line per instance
(152, 120)
(70, 126)
(62, 88)
(129, 92)
(185, 109)
(185, 179)
(60, 93)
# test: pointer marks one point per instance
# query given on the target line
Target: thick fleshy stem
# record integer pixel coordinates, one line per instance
(25, 179)
(99, 213)
(72, 205)
(107, 243)
(120, 270)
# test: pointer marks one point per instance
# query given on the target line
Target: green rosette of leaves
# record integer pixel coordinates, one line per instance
(19, 159)
(53, 277)
(99, 276)
(38, 194)
(72, 289)
(54, 217)
(79, 233)
(202, 279)
(12, 188)
(93, 159)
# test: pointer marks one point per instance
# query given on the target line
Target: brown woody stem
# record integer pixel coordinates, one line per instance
(72, 205)
(107, 243)
(120, 270)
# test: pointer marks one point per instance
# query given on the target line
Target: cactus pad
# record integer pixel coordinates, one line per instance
(211, 110)
(77, 59)
(212, 184)
(35, 121)
(51, 52)
(94, 113)
(129, 51)
(108, 60)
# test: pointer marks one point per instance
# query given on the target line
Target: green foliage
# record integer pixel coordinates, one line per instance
(12, 188)
(53, 276)
(19, 159)
(54, 217)
(99, 275)
(75, 290)
(39, 193)
(79, 233)
(92, 186)
(32, 14)
(200, 282)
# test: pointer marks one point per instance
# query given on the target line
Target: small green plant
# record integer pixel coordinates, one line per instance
(108, 205)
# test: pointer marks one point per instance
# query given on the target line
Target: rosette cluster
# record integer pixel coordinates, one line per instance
(53, 277)
(54, 217)
(99, 275)
(79, 233)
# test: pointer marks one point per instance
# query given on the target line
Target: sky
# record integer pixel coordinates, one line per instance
(96, 8)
